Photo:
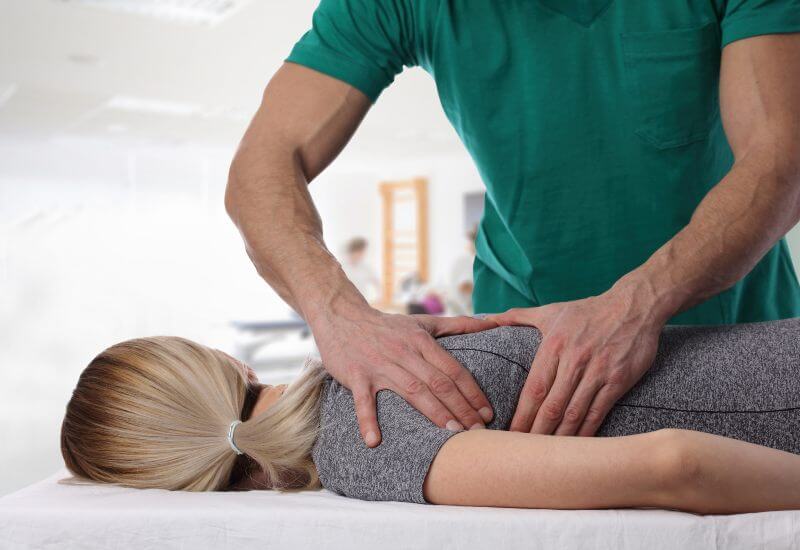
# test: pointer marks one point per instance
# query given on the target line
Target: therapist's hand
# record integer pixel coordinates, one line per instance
(592, 352)
(368, 351)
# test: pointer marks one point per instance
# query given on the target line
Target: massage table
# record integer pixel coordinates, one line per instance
(65, 517)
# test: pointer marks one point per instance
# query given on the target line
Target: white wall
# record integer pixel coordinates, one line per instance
(794, 244)
(99, 244)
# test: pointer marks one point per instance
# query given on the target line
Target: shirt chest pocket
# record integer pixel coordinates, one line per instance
(672, 77)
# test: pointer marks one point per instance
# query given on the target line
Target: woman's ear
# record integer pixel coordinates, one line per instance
(254, 479)
(260, 405)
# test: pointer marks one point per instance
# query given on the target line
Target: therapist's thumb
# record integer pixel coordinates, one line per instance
(366, 413)
(530, 316)
(446, 326)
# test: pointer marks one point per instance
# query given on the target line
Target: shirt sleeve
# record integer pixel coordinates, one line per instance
(364, 43)
(746, 18)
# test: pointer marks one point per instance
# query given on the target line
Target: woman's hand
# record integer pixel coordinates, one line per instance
(592, 352)
(368, 351)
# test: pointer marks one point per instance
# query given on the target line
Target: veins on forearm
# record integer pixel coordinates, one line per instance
(731, 230)
(283, 232)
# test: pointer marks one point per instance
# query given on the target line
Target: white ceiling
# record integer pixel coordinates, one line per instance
(68, 69)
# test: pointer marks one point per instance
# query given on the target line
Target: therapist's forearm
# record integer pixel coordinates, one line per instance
(755, 205)
(757, 202)
(303, 122)
(268, 199)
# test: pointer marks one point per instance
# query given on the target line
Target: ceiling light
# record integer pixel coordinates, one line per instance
(184, 11)
(154, 106)
(83, 58)
(173, 108)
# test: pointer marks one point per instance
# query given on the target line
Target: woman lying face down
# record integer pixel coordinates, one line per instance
(714, 427)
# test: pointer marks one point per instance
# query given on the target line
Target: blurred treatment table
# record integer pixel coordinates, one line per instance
(66, 517)
(273, 344)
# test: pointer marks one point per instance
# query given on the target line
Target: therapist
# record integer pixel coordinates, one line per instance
(641, 161)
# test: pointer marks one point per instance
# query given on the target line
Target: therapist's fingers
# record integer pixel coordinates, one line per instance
(598, 410)
(534, 392)
(419, 395)
(575, 412)
(550, 414)
(445, 326)
(367, 413)
(464, 397)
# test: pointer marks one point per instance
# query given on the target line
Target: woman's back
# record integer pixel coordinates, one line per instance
(739, 381)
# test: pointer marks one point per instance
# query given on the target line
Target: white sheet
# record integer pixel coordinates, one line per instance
(49, 515)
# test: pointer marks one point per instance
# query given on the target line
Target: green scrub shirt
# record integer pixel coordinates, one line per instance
(594, 124)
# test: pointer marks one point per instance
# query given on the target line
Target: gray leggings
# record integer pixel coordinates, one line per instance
(740, 381)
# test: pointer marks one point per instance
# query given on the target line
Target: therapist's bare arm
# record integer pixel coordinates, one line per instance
(595, 350)
(304, 121)
(759, 200)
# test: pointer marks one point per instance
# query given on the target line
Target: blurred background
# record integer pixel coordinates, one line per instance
(118, 121)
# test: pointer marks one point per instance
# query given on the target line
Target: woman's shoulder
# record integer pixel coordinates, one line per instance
(395, 470)
(515, 344)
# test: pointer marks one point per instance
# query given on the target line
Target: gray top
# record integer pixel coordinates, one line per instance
(736, 380)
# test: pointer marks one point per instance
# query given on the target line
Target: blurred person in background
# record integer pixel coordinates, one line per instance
(419, 296)
(357, 269)
(461, 283)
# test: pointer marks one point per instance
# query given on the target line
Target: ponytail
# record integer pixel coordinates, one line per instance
(155, 412)
(284, 457)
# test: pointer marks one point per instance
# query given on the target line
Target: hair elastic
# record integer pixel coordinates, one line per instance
(231, 430)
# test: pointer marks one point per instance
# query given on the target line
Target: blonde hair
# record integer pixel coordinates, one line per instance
(154, 413)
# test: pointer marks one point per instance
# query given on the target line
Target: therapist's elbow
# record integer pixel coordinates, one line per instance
(793, 175)
(233, 191)
(773, 157)
(265, 158)
(789, 177)
(783, 145)
(240, 189)
(789, 167)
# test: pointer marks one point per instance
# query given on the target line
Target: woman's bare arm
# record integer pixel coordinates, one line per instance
(677, 469)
